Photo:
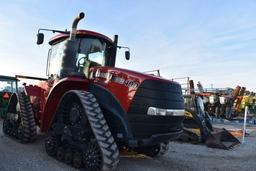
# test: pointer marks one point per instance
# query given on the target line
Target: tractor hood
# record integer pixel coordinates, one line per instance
(110, 73)
(123, 83)
(131, 79)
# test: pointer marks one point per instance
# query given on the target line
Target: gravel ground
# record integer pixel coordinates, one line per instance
(181, 156)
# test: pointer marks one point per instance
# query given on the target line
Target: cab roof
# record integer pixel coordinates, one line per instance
(80, 33)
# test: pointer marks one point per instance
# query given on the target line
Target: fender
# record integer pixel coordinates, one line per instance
(113, 111)
(54, 97)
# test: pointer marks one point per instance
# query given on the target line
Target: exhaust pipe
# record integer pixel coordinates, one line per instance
(74, 25)
(69, 55)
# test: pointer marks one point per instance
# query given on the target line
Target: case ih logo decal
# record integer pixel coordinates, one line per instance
(114, 78)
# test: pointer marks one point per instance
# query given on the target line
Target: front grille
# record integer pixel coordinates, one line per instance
(155, 93)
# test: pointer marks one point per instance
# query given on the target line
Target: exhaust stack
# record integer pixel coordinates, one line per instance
(70, 51)
(74, 25)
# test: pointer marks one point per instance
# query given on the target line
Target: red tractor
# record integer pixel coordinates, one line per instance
(90, 109)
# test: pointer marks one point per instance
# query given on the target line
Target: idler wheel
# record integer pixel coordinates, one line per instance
(60, 153)
(68, 156)
(77, 160)
(7, 127)
(92, 157)
(51, 145)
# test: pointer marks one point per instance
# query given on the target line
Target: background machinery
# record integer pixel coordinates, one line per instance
(225, 103)
(8, 85)
(90, 109)
(197, 124)
(222, 102)
(249, 99)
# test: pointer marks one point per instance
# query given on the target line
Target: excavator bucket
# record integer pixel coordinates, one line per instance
(221, 139)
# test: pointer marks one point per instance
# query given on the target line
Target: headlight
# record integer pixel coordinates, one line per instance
(165, 112)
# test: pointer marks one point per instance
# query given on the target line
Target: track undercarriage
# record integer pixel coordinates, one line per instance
(79, 135)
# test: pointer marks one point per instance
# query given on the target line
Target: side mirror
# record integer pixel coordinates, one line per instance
(127, 55)
(40, 38)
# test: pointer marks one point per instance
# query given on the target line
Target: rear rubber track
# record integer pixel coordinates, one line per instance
(27, 125)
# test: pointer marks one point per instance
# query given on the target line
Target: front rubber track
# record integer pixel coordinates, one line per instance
(105, 140)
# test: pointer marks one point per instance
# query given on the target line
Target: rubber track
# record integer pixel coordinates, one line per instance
(106, 142)
(28, 123)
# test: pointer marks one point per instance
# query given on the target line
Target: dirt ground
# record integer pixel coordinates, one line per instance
(181, 156)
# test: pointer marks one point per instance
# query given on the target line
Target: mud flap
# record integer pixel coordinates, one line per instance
(221, 139)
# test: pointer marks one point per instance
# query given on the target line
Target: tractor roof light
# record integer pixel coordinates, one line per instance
(153, 111)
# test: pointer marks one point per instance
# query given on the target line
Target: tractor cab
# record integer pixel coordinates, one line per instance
(75, 52)
(90, 49)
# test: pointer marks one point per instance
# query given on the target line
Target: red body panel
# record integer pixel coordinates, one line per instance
(45, 101)
(34, 90)
(37, 96)
(122, 83)
(66, 84)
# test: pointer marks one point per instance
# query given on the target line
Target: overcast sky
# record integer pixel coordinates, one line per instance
(212, 41)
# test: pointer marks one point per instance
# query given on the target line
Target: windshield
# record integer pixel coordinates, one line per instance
(90, 51)
(93, 50)
(7, 86)
(54, 62)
